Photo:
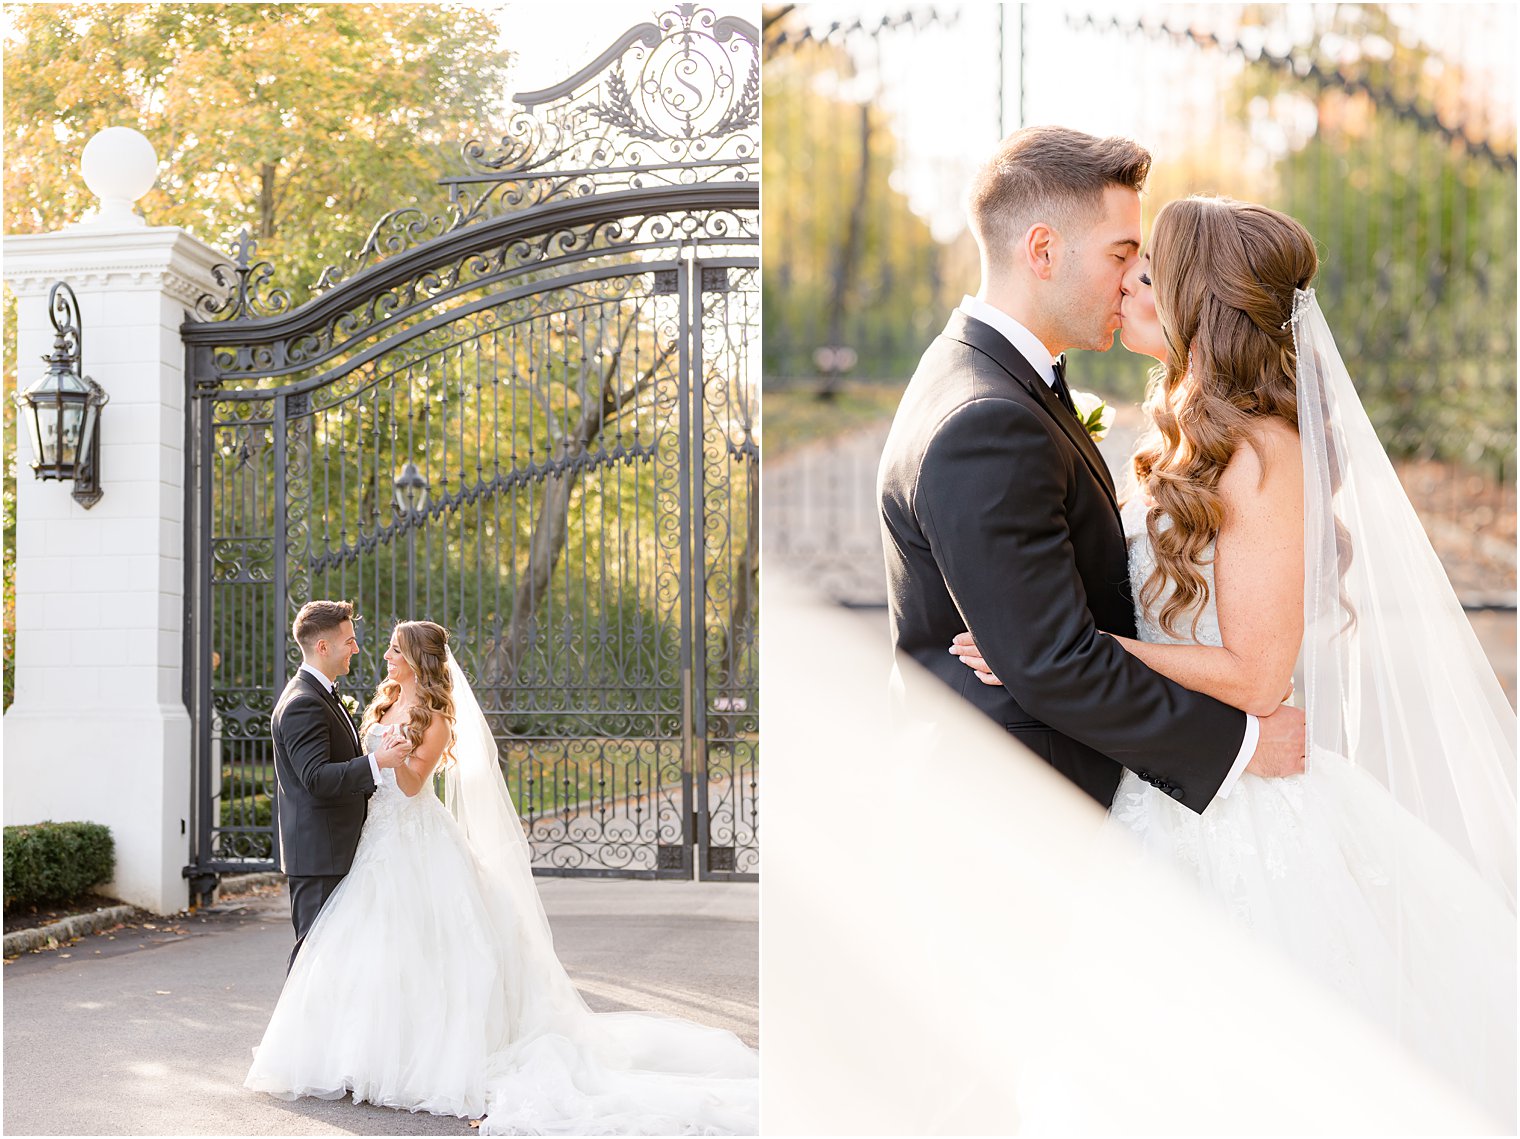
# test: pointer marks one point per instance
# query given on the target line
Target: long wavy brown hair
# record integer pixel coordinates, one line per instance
(425, 647)
(1224, 273)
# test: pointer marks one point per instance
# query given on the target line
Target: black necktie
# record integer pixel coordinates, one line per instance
(1063, 393)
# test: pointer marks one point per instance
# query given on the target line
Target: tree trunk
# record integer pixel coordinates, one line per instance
(266, 201)
(551, 526)
(846, 264)
(746, 577)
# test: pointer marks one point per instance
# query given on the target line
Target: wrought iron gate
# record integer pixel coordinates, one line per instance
(531, 419)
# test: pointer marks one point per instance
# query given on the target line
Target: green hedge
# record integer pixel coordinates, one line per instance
(53, 862)
(247, 811)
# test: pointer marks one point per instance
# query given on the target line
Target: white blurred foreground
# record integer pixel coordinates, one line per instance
(946, 947)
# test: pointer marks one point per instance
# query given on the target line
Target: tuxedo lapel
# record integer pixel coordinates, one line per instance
(987, 340)
(311, 682)
(331, 699)
(1085, 444)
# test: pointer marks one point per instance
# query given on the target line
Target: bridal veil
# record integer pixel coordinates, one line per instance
(558, 1067)
(1394, 677)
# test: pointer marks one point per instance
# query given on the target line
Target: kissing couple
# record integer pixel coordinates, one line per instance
(424, 974)
(1144, 644)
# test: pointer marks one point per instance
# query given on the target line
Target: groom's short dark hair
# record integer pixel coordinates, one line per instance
(318, 618)
(1049, 174)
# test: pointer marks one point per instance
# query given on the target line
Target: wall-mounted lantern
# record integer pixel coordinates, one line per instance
(62, 409)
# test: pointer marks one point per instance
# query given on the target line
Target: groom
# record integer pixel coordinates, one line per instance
(323, 779)
(1000, 516)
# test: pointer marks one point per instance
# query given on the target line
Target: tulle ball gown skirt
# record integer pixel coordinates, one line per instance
(418, 987)
(1364, 899)
(396, 994)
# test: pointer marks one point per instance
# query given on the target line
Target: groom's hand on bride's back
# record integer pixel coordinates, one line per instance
(1280, 748)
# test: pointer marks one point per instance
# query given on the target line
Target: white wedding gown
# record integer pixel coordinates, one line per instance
(413, 990)
(1356, 892)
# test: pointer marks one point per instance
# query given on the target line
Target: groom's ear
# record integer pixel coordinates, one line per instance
(1038, 249)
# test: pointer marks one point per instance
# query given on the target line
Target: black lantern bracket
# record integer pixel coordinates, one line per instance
(62, 409)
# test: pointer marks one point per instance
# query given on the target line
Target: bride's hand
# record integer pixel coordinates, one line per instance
(394, 748)
(964, 646)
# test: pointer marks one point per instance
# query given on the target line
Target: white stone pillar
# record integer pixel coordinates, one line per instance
(99, 730)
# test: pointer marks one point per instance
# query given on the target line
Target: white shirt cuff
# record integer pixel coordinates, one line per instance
(1247, 750)
(374, 767)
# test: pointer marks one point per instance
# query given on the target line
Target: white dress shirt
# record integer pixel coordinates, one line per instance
(374, 767)
(1030, 347)
(1028, 344)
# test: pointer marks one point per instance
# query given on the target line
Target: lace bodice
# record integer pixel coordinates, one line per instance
(1142, 560)
(387, 787)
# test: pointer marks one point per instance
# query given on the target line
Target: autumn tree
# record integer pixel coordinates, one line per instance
(301, 122)
(849, 265)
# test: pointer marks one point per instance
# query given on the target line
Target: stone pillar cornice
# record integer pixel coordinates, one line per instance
(162, 258)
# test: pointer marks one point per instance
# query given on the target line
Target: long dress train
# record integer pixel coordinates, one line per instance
(418, 987)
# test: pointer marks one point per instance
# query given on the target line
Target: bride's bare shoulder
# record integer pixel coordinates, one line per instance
(1266, 464)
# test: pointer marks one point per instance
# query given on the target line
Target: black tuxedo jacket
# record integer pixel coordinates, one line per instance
(322, 780)
(999, 516)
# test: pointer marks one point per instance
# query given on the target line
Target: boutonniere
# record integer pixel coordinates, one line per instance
(350, 705)
(1095, 416)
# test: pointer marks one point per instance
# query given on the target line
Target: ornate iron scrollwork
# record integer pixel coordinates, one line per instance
(675, 101)
(677, 98)
(246, 278)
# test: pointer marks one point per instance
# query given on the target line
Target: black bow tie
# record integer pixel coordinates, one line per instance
(332, 696)
(1063, 393)
(331, 692)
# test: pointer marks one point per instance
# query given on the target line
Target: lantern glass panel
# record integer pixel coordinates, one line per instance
(33, 418)
(87, 442)
(73, 431)
(48, 416)
(72, 384)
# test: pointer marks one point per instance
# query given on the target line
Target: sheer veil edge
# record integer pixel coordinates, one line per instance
(1393, 675)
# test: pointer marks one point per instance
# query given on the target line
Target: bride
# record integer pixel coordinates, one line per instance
(1267, 529)
(429, 980)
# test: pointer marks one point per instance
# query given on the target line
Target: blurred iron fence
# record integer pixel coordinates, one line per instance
(1389, 130)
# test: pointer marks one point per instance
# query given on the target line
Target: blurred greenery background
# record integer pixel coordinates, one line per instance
(1395, 151)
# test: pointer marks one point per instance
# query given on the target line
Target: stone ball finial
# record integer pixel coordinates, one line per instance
(119, 166)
